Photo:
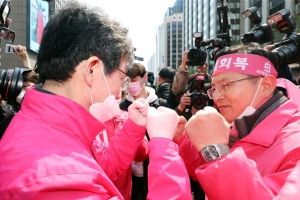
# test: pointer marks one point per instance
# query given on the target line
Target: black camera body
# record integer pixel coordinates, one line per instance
(261, 33)
(199, 99)
(197, 56)
(287, 50)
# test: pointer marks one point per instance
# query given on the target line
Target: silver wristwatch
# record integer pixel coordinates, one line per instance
(214, 152)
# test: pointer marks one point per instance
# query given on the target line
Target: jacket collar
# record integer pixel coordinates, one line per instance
(259, 128)
(62, 114)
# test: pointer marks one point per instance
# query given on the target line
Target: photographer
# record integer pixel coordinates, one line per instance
(258, 156)
(184, 82)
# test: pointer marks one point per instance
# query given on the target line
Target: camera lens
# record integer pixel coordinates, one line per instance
(11, 82)
(197, 56)
(285, 53)
(198, 100)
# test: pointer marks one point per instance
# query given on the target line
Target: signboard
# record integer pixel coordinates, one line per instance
(38, 12)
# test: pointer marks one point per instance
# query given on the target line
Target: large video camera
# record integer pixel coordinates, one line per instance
(199, 99)
(261, 33)
(6, 34)
(11, 83)
(287, 50)
(198, 55)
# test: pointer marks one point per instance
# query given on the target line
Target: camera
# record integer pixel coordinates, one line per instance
(11, 83)
(261, 33)
(199, 99)
(288, 49)
(197, 56)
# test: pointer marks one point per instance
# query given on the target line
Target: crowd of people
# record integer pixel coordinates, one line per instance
(91, 128)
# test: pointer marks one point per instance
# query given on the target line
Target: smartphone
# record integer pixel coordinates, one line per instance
(9, 48)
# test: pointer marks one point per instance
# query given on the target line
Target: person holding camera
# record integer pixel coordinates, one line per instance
(253, 140)
(46, 152)
(185, 85)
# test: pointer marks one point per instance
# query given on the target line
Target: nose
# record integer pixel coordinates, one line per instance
(218, 96)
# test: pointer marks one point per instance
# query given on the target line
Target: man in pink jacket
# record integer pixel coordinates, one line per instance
(46, 151)
(251, 147)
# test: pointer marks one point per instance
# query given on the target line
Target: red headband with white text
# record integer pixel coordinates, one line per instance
(250, 64)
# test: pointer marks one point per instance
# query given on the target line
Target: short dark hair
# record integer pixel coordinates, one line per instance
(77, 32)
(167, 73)
(137, 69)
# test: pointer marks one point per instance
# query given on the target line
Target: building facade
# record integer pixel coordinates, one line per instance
(169, 38)
(20, 25)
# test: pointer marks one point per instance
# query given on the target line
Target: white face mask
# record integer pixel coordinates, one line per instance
(249, 110)
(106, 110)
(20, 97)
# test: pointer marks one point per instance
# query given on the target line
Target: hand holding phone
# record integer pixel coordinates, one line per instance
(10, 48)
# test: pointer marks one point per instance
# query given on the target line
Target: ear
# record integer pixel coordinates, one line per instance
(268, 84)
(91, 64)
(145, 77)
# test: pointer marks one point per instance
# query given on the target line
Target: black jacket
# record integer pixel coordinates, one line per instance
(163, 91)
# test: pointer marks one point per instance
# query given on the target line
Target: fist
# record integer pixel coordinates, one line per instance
(137, 111)
(162, 122)
(207, 127)
(180, 128)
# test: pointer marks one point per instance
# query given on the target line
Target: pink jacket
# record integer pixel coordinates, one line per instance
(47, 155)
(258, 165)
(122, 182)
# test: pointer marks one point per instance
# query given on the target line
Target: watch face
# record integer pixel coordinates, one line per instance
(210, 153)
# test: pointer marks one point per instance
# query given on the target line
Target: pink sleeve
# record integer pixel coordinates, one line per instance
(189, 155)
(167, 175)
(236, 171)
(116, 158)
(142, 152)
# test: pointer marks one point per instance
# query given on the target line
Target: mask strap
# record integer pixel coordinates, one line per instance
(256, 92)
(105, 79)
(89, 89)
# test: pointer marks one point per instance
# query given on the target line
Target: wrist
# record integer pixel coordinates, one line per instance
(183, 67)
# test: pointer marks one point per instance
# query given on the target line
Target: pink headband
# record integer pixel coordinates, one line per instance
(245, 64)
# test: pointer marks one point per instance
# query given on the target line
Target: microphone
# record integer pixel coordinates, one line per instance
(207, 42)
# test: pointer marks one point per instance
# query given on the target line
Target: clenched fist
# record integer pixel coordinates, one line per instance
(162, 122)
(137, 111)
(207, 127)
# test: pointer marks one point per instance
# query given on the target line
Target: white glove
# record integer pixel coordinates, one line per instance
(162, 122)
(137, 111)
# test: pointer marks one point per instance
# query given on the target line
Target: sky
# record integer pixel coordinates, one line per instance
(141, 17)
